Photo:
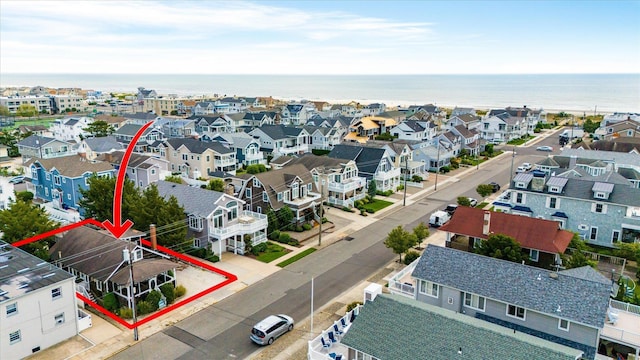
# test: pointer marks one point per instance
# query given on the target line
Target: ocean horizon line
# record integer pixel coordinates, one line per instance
(328, 74)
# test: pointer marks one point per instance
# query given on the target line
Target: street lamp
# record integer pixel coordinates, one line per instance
(435, 186)
(513, 155)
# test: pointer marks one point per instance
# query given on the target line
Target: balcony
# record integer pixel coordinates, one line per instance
(303, 202)
(255, 158)
(315, 349)
(248, 222)
(348, 185)
(295, 149)
(388, 175)
(626, 328)
(402, 282)
(225, 162)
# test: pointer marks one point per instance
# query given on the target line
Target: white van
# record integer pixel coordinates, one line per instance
(439, 218)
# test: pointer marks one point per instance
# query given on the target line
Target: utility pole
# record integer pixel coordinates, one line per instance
(132, 291)
(513, 156)
(406, 173)
(477, 154)
(435, 186)
(323, 177)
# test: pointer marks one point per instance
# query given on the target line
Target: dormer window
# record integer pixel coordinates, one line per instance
(521, 185)
(601, 195)
(554, 189)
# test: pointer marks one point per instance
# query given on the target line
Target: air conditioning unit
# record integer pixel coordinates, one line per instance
(371, 291)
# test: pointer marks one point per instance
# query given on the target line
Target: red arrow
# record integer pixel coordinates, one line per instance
(116, 227)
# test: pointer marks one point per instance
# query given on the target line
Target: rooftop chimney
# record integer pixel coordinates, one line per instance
(229, 189)
(152, 235)
(573, 159)
(486, 223)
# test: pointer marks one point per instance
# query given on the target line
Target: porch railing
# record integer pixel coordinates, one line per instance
(315, 350)
(630, 308)
(399, 286)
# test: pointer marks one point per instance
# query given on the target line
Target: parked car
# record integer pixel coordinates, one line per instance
(271, 328)
(439, 218)
(17, 179)
(451, 208)
(527, 166)
(520, 169)
(473, 202)
(544, 148)
(495, 185)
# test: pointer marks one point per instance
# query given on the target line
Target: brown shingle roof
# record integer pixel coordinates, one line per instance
(530, 233)
(72, 166)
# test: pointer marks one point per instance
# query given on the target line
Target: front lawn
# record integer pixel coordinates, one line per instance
(273, 252)
(296, 257)
(376, 205)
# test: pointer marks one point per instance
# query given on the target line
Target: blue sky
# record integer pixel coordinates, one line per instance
(320, 37)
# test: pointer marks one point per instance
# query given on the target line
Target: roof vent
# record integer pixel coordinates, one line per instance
(553, 275)
(539, 277)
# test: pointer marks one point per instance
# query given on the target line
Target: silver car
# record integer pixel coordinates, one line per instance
(269, 329)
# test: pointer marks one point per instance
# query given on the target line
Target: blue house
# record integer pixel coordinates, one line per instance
(247, 148)
(59, 180)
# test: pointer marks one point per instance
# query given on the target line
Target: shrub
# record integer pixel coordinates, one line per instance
(299, 228)
(347, 209)
(274, 235)
(324, 220)
(445, 169)
(306, 226)
(363, 212)
(294, 242)
(410, 257)
(25, 196)
(370, 211)
(153, 298)
(284, 238)
(169, 292)
(110, 302)
(320, 152)
(143, 308)
(213, 258)
(179, 291)
(400, 187)
(353, 305)
(126, 313)
(416, 178)
(257, 249)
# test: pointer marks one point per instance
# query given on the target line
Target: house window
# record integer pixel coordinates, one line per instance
(593, 234)
(309, 187)
(217, 219)
(98, 285)
(195, 223)
(56, 293)
(47, 176)
(615, 237)
(12, 309)
(68, 196)
(563, 324)
(46, 191)
(474, 301)
(185, 157)
(259, 210)
(247, 193)
(14, 337)
(553, 203)
(265, 197)
(428, 288)
(534, 255)
(516, 312)
(59, 319)
(294, 191)
(279, 196)
(232, 207)
(554, 189)
(519, 198)
(256, 182)
(599, 208)
(153, 171)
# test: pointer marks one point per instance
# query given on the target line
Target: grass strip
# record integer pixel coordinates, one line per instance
(296, 257)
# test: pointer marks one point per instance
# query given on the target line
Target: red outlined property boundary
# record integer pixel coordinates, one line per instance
(230, 278)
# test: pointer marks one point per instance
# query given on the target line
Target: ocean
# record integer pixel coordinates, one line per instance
(590, 93)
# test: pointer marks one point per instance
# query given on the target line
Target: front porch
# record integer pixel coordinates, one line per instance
(316, 350)
(621, 332)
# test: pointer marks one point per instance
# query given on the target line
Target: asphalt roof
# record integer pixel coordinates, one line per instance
(132, 129)
(21, 273)
(36, 141)
(399, 328)
(280, 131)
(198, 147)
(367, 158)
(196, 201)
(103, 144)
(516, 284)
(72, 166)
(618, 157)
(582, 189)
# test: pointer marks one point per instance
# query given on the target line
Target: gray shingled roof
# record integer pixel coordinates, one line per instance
(197, 146)
(618, 157)
(103, 144)
(398, 328)
(196, 201)
(140, 116)
(131, 130)
(311, 161)
(275, 181)
(516, 284)
(367, 158)
(35, 141)
(280, 131)
(622, 194)
(588, 273)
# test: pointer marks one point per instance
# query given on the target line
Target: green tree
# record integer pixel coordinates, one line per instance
(484, 190)
(171, 217)
(26, 110)
(4, 111)
(10, 139)
(489, 149)
(97, 200)
(99, 128)
(421, 232)
(256, 169)
(399, 241)
(501, 247)
(590, 126)
(285, 218)
(272, 220)
(463, 201)
(216, 185)
(372, 189)
(23, 220)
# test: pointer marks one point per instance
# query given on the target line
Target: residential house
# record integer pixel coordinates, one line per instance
(321, 105)
(401, 154)
(115, 121)
(6, 162)
(451, 141)
(252, 120)
(297, 113)
(603, 209)
(457, 111)
(620, 145)
(139, 118)
(233, 104)
(428, 108)
(71, 129)
(436, 154)
(396, 328)
(99, 261)
(206, 108)
(185, 107)
(502, 127)
(544, 303)
(146, 94)
(470, 139)
(367, 128)
(7, 195)
(469, 121)
(374, 164)
(282, 140)
(126, 133)
(414, 130)
(337, 179)
(37, 304)
(542, 241)
(41, 147)
(218, 123)
(344, 109)
(373, 109)
(626, 128)
(91, 148)
(39, 130)
(172, 127)
(246, 147)
(325, 138)
(143, 170)
(59, 180)
(217, 220)
(196, 159)
(291, 186)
